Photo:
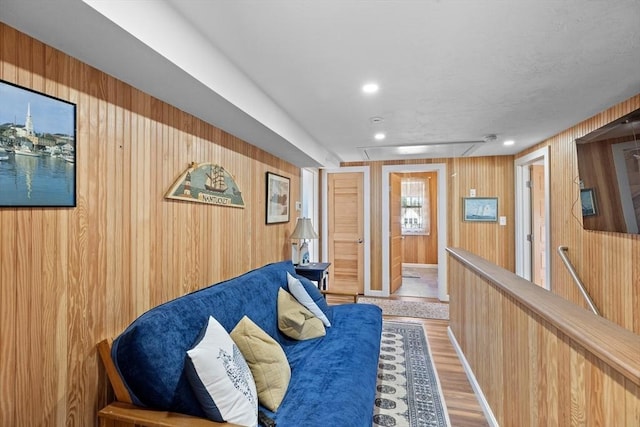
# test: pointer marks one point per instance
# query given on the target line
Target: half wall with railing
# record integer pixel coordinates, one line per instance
(535, 358)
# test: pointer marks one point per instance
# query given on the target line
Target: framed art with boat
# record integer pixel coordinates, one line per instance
(37, 149)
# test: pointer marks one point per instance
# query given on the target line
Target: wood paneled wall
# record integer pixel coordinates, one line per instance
(490, 176)
(71, 277)
(606, 262)
(423, 249)
(539, 359)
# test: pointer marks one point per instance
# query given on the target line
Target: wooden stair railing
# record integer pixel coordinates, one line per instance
(562, 251)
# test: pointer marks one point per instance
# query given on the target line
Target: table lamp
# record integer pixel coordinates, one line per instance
(303, 231)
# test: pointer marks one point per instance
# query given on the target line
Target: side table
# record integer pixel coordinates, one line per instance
(316, 271)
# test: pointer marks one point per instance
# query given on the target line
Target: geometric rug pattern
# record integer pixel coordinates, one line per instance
(408, 390)
(421, 309)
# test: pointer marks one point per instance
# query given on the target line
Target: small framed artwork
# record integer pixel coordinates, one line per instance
(480, 209)
(37, 149)
(588, 202)
(277, 199)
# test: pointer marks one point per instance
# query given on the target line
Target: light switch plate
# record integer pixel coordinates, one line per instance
(472, 192)
(503, 220)
(298, 206)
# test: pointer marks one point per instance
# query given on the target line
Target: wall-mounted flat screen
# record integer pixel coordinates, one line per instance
(609, 168)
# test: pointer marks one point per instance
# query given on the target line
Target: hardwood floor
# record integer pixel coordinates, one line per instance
(462, 403)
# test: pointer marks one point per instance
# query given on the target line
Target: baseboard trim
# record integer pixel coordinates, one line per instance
(488, 413)
(414, 265)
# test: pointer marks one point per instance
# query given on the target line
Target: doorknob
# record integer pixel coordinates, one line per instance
(360, 240)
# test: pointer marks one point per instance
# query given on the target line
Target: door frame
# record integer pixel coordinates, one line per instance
(523, 214)
(441, 169)
(366, 188)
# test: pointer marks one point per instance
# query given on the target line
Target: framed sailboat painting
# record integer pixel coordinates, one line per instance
(480, 209)
(37, 149)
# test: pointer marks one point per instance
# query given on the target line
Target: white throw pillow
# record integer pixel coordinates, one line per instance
(299, 292)
(221, 379)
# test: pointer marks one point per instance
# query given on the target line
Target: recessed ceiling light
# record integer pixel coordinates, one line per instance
(379, 136)
(370, 88)
(509, 142)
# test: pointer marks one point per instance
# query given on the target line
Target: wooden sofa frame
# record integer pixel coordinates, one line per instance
(123, 412)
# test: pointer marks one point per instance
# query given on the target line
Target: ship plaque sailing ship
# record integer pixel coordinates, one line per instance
(215, 179)
(206, 183)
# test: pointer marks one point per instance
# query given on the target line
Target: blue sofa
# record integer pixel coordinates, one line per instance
(333, 378)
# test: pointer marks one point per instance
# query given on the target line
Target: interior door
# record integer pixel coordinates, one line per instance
(395, 232)
(345, 218)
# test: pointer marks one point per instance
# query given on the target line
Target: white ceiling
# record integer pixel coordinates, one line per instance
(285, 75)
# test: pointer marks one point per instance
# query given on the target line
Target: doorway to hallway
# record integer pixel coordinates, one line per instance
(439, 223)
(419, 280)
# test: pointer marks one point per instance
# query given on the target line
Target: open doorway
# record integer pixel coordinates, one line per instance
(420, 262)
(415, 200)
(533, 253)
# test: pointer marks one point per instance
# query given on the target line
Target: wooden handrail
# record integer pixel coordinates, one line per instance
(617, 347)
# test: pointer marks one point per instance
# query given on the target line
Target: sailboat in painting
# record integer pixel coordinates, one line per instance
(26, 151)
(215, 180)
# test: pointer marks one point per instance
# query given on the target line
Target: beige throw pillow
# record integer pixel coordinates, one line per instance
(267, 362)
(296, 321)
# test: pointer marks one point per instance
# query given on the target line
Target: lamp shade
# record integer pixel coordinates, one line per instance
(304, 230)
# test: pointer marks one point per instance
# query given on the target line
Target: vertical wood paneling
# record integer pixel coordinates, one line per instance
(531, 373)
(71, 277)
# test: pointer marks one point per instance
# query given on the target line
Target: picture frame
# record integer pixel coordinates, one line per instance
(588, 202)
(277, 199)
(480, 209)
(37, 149)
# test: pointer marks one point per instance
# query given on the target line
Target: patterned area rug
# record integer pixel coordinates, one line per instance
(408, 390)
(425, 310)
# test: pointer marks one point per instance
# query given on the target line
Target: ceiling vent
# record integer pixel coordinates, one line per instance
(430, 150)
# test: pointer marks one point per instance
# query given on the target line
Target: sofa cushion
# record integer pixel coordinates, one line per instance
(267, 361)
(150, 354)
(295, 321)
(299, 291)
(335, 376)
(220, 377)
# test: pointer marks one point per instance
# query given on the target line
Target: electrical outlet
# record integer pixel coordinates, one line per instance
(472, 192)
